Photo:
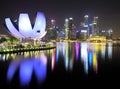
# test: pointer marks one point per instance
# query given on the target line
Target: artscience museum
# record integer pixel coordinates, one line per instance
(24, 28)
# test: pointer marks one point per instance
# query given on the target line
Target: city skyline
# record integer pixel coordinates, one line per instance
(108, 11)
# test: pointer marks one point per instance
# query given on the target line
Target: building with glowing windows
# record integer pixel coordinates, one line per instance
(70, 32)
(66, 28)
(95, 30)
(24, 29)
(85, 28)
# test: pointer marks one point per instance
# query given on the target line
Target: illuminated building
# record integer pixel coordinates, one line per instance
(70, 32)
(53, 24)
(71, 28)
(66, 28)
(25, 29)
(86, 20)
(103, 33)
(95, 30)
(51, 30)
(85, 28)
(109, 34)
(84, 33)
(90, 29)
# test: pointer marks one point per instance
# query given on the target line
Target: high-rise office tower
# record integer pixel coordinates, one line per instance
(52, 24)
(86, 20)
(66, 28)
(95, 30)
(85, 28)
(71, 28)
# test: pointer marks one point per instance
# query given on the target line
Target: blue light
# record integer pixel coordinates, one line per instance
(57, 53)
(26, 68)
(40, 70)
(90, 59)
(12, 69)
(90, 24)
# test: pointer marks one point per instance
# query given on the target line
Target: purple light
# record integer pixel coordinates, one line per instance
(26, 68)
(40, 70)
(77, 50)
(52, 20)
(40, 24)
(25, 27)
(12, 69)
(12, 29)
(77, 31)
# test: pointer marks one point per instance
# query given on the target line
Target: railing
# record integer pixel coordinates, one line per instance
(11, 49)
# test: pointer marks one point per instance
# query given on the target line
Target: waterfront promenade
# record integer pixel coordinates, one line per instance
(15, 49)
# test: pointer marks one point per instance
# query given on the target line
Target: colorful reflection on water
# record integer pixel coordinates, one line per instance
(27, 66)
(87, 53)
(36, 62)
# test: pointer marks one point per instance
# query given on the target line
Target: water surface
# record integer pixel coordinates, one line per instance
(71, 64)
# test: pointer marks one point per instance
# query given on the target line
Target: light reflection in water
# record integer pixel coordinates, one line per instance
(36, 64)
(39, 67)
(69, 52)
(57, 52)
(66, 56)
(77, 49)
(72, 54)
(95, 66)
(103, 46)
(96, 47)
(110, 50)
(53, 59)
(88, 53)
(84, 56)
(12, 69)
(90, 56)
(26, 68)
(69, 55)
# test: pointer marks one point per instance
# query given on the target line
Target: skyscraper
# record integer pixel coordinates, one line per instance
(71, 28)
(86, 20)
(95, 30)
(66, 28)
(70, 32)
(85, 28)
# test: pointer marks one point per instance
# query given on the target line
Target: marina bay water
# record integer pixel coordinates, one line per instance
(69, 64)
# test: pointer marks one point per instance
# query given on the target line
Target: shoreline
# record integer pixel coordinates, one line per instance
(16, 50)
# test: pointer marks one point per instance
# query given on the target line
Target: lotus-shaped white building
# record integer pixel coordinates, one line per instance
(24, 29)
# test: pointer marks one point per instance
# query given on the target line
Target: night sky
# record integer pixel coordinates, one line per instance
(107, 10)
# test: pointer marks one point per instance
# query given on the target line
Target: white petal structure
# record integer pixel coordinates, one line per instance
(24, 25)
(12, 29)
(25, 28)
